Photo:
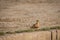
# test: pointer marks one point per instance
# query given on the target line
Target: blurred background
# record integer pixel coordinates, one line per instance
(22, 14)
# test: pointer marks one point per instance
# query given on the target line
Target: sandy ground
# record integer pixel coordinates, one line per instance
(24, 15)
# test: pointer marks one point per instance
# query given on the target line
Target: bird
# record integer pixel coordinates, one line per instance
(36, 25)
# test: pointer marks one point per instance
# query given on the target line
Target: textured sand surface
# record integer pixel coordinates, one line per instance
(22, 14)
